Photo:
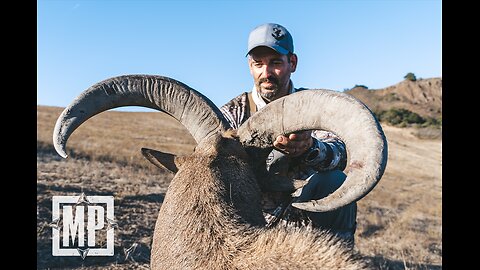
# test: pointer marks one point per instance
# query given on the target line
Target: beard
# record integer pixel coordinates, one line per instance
(270, 92)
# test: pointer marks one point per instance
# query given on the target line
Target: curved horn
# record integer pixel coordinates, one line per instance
(328, 110)
(196, 112)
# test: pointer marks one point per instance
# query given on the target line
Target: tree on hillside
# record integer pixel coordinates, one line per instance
(410, 76)
(360, 85)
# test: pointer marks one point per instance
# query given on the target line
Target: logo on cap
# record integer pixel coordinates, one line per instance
(277, 33)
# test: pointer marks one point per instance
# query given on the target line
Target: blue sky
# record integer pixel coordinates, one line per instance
(203, 43)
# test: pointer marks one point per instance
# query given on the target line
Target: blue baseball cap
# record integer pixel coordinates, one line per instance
(271, 35)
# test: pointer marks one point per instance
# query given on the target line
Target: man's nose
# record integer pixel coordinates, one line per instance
(267, 70)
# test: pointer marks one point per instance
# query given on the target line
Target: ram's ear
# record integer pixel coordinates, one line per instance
(162, 160)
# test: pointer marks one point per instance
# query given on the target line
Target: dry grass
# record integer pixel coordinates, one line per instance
(138, 195)
(118, 136)
(399, 222)
(428, 133)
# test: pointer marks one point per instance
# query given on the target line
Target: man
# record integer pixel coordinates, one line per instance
(317, 156)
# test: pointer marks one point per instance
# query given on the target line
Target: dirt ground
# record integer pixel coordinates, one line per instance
(399, 222)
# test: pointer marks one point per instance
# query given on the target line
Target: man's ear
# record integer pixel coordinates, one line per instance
(162, 160)
(250, 63)
(293, 62)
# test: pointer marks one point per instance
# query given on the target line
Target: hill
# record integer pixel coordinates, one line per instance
(423, 97)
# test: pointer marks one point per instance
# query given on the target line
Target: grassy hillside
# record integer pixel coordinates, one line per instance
(399, 222)
(423, 96)
(408, 103)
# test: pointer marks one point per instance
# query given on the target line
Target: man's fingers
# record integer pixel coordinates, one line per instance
(277, 145)
(281, 139)
(293, 144)
(300, 136)
(294, 136)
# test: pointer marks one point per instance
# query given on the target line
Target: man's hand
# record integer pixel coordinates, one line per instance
(294, 144)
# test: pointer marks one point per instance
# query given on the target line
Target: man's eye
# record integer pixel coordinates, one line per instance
(258, 65)
(277, 62)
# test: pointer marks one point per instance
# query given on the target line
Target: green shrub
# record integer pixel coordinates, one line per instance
(410, 76)
(430, 121)
(402, 117)
(405, 118)
(360, 85)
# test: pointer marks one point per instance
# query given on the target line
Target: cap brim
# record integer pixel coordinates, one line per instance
(277, 48)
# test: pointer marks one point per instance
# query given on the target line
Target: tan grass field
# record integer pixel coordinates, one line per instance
(399, 222)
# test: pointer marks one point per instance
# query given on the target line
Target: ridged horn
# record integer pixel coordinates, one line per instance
(196, 112)
(333, 111)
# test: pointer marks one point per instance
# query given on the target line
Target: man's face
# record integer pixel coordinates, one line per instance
(271, 72)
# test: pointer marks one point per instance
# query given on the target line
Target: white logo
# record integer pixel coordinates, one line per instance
(72, 212)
